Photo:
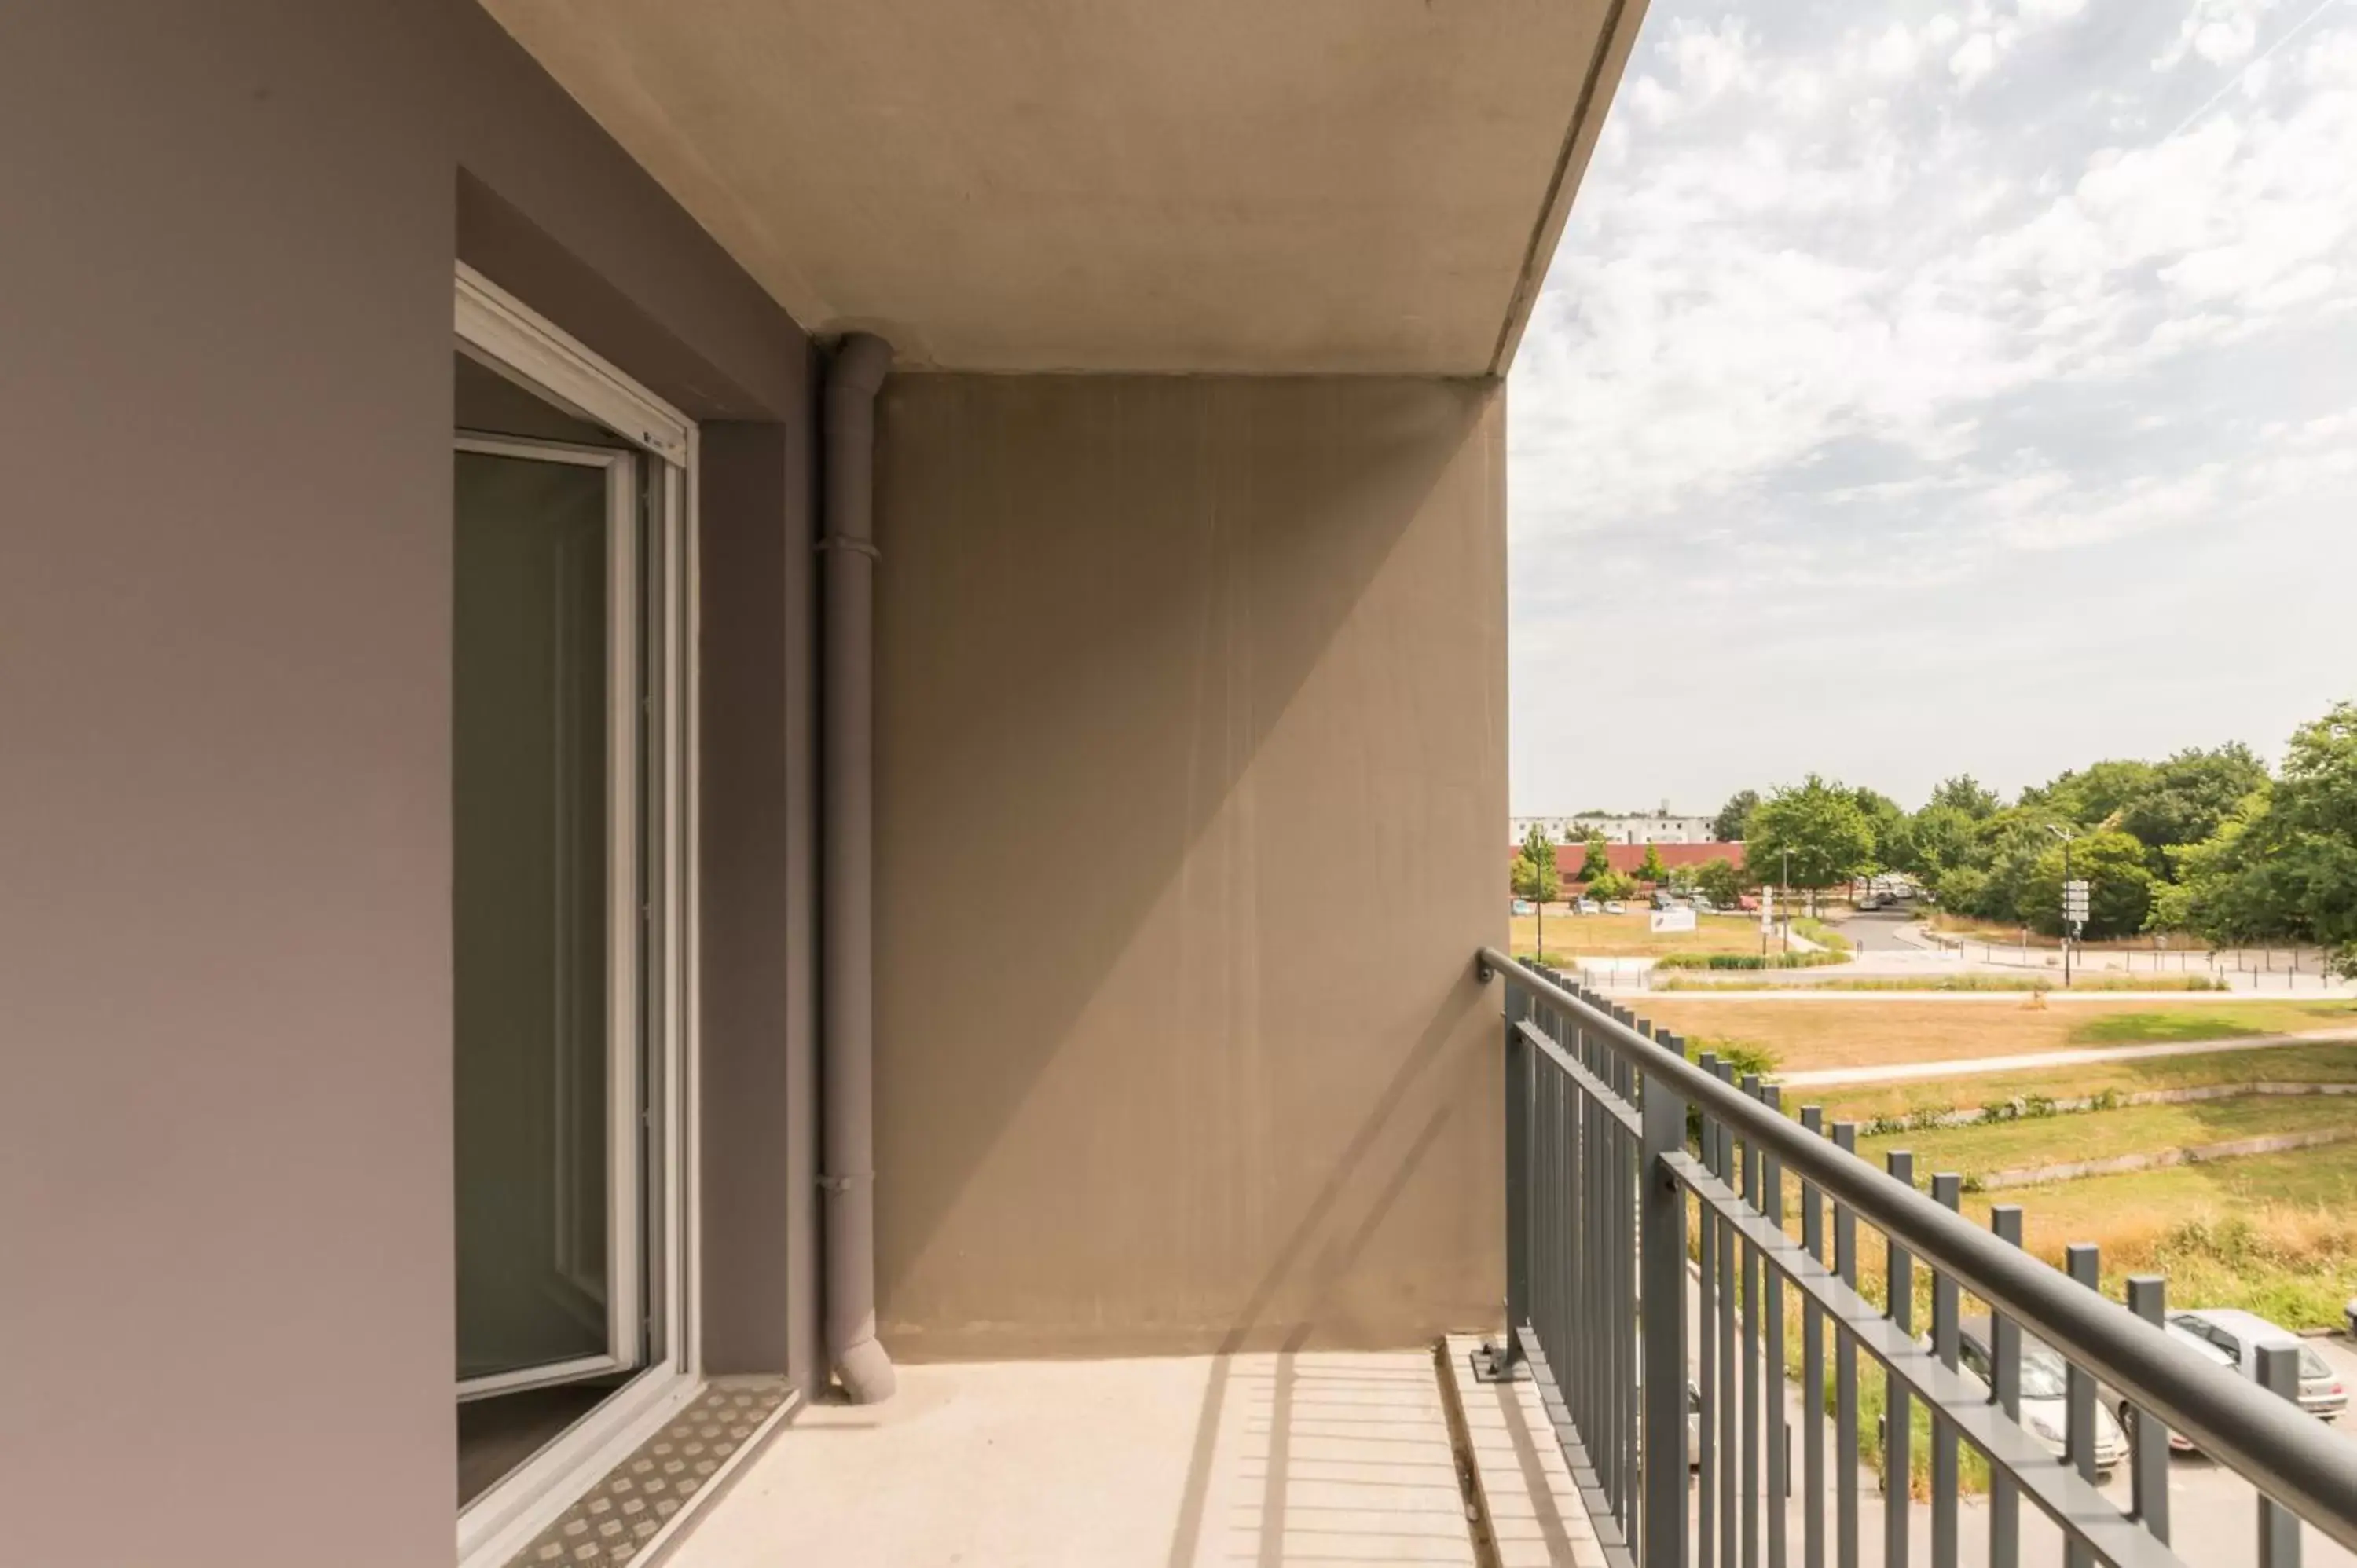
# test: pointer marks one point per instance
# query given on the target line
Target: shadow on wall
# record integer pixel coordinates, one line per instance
(1191, 754)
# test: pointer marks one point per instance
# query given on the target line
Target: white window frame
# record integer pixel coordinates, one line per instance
(498, 331)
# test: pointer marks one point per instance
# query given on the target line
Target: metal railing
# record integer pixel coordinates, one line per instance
(1620, 1152)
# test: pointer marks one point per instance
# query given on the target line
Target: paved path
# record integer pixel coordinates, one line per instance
(1893, 1072)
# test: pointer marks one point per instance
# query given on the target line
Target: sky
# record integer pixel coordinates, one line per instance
(1941, 388)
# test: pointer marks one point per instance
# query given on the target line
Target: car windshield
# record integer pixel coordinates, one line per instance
(2042, 1372)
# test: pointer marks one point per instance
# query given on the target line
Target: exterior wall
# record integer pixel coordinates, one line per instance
(1192, 750)
(225, 335)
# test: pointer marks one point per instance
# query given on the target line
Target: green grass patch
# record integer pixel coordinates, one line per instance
(2320, 1063)
(1975, 1149)
(2160, 1027)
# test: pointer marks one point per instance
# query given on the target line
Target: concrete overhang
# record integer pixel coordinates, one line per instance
(1254, 186)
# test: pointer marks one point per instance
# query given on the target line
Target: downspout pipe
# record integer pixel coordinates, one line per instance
(847, 864)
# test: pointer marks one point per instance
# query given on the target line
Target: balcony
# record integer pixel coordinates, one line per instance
(1634, 1177)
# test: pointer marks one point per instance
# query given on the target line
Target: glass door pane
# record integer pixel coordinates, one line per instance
(545, 1065)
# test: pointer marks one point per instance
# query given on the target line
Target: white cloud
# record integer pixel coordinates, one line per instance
(1974, 59)
(2219, 31)
(1834, 326)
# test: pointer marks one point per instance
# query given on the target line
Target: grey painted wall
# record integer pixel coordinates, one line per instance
(1192, 750)
(225, 1147)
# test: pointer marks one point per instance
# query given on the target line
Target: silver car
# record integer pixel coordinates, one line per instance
(2238, 1337)
(2044, 1411)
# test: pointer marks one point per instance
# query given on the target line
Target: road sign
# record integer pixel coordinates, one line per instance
(2074, 903)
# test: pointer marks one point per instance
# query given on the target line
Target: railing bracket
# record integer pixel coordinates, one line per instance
(1490, 1364)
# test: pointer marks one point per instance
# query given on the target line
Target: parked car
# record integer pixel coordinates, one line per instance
(1523, 907)
(1614, 906)
(1704, 906)
(2114, 1401)
(2044, 1414)
(2240, 1336)
(1747, 902)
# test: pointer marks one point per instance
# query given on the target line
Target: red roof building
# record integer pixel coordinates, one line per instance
(1626, 857)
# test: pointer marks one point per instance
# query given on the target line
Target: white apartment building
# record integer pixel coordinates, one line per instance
(1649, 827)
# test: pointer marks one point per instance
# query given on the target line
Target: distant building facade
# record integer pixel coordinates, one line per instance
(1649, 827)
(1571, 859)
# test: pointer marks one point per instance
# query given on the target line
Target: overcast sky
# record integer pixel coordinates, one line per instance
(1924, 389)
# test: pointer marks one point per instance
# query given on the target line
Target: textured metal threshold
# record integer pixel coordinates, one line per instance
(644, 1505)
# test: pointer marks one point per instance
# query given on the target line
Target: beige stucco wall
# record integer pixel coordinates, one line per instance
(1192, 752)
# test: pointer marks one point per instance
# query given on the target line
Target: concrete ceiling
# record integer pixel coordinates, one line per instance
(1268, 186)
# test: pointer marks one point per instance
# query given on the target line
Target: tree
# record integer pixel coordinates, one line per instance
(2284, 865)
(2192, 795)
(1597, 863)
(1649, 870)
(1718, 881)
(1964, 793)
(1939, 838)
(1888, 823)
(1734, 818)
(2119, 885)
(1612, 884)
(1819, 826)
(1535, 877)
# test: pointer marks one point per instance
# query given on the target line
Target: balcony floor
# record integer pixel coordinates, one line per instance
(1289, 1458)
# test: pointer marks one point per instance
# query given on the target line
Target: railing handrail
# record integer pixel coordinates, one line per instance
(2280, 1449)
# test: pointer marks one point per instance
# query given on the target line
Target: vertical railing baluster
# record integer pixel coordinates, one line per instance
(2148, 1436)
(1779, 1448)
(1947, 1190)
(1813, 1370)
(1898, 1405)
(1707, 1380)
(1519, 1234)
(1662, 1242)
(1729, 1436)
(2005, 1370)
(1845, 1376)
(1628, 1416)
(1750, 1352)
(2278, 1526)
(2082, 1264)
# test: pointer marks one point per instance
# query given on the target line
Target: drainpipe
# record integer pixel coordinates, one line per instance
(848, 937)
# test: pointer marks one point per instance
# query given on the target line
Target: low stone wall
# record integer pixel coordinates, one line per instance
(2275, 1142)
(1971, 1114)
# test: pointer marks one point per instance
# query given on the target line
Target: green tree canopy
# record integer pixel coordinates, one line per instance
(2191, 796)
(1733, 818)
(1718, 881)
(1612, 884)
(2283, 866)
(1534, 872)
(1964, 793)
(1650, 869)
(1596, 863)
(1939, 837)
(1828, 837)
(2119, 885)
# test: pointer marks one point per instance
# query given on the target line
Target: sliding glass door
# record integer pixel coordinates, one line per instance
(546, 827)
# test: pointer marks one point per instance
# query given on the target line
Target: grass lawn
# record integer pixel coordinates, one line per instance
(2100, 1134)
(2290, 1064)
(1631, 936)
(1840, 1032)
(2276, 1234)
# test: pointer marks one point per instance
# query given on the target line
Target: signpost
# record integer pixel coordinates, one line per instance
(2074, 917)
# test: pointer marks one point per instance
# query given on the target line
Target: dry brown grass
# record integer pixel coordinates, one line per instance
(1630, 935)
(1864, 1029)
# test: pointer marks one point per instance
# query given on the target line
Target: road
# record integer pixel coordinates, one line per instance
(2213, 1511)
